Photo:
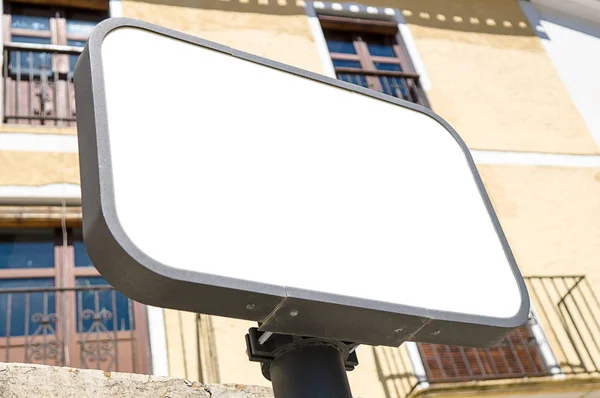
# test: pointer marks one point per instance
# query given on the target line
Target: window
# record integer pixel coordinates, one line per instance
(38, 79)
(369, 54)
(33, 259)
(26, 262)
(26, 249)
(54, 304)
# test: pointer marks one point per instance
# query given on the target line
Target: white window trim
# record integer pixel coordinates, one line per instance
(353, 10)
(158, 341)
(417, 365)
(115, 8)
(542, 342)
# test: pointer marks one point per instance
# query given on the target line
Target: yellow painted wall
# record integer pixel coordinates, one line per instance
(38, 168)
(226, 340)
(550, 216)
(23, 128)
(491, 79)
(282, 37)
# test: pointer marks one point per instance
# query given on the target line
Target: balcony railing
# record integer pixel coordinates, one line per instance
(86, 327)
(401, 85)
(561, 337)
(38, 84)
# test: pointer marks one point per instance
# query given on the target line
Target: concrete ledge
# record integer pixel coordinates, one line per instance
(40, 381)
(583, 386)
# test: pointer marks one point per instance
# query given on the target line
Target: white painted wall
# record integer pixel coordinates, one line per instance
(573, 45)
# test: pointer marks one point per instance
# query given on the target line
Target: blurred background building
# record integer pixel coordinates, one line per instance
(519, 81)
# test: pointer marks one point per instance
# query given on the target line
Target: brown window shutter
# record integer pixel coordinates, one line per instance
(517, 355)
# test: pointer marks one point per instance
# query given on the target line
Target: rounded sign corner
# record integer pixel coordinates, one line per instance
(522, 314)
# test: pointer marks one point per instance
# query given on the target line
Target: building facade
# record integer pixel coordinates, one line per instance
(518, 81)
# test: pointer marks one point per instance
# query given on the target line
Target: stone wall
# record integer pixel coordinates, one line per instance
(40, 381)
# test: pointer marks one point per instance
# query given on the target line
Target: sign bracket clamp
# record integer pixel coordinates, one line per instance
(300, 366)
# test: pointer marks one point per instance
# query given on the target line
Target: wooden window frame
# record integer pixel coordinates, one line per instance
(356, 28)
(65, 274)
(58, 17)
(64, 270)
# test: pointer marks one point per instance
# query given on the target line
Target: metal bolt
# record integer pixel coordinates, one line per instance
(250, 307)
(293, 312)
(436, 332)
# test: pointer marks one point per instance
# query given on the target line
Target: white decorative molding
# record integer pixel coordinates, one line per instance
(534, 159)
(38, 142)
(413, 52)
(52, 194)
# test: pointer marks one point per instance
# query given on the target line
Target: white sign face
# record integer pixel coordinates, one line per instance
(228, 184)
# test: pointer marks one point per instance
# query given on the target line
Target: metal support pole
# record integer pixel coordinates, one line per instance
(310, 370)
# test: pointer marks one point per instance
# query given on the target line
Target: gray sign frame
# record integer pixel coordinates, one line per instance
(277, 308)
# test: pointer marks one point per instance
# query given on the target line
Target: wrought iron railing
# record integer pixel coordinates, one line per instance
(401, 85)
(569, 312)
(562, 336)
(38, 84)
(86, 326)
